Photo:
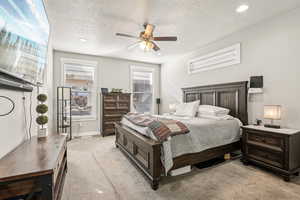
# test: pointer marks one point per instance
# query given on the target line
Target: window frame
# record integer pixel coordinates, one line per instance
(225, 57)
(134, 68)
(86, 63)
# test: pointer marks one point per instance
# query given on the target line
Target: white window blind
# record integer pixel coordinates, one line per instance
(222, 58)
(78, 72)
(142, 90)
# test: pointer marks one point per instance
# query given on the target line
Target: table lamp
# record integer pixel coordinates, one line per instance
(172, 107)
(272, 112)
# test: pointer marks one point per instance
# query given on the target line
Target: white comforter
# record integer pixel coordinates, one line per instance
(204, 134)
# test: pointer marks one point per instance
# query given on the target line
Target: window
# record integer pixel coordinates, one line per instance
(222, 58)
(142, 90)
(80, 76)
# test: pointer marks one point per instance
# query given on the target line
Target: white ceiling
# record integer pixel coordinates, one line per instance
(195, 22)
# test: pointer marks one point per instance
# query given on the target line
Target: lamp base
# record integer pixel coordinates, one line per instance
(272, 126)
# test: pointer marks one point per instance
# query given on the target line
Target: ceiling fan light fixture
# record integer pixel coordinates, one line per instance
(146, 40)
(149, 45)
(146, 45)
(242, 8)
(143, 45)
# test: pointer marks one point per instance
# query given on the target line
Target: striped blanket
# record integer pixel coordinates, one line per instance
(161, 128)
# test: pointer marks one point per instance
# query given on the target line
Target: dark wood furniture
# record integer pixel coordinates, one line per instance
(35, 170)
(274, 149)
(145, 153)
(64, 111)
(113, 107)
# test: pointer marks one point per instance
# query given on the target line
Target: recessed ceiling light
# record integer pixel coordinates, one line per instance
(242, 8)
(82, 40)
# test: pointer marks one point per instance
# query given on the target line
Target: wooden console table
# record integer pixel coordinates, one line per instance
(35, 170)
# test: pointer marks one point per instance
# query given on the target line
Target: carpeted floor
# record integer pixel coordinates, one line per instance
(98, 170)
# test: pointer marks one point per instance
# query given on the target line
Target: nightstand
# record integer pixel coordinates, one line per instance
(275, 149)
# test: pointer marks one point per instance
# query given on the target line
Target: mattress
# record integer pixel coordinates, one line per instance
(204, 134)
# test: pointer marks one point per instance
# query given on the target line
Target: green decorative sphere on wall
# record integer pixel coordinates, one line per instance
(42, 108)
(42, 98)
(42, 120)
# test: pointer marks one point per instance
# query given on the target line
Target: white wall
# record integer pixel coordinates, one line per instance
(111, 73)
(270, 48)
(13, 126)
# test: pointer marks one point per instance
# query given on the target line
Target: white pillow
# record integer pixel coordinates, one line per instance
(187, 109)
(224, 117)
(212, 110)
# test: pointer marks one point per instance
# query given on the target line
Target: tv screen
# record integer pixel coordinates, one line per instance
(24, 33)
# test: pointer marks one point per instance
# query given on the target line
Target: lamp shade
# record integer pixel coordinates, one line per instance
(272, 112)
(172, 107)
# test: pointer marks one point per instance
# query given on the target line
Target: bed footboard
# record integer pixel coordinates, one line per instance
(143, 152)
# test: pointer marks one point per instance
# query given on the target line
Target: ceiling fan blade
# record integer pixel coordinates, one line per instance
(149, 30)
(169, 38)
(133, 45)
(126, 35)
(155, 47)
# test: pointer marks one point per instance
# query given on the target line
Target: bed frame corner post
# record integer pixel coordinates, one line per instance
(156, 166)
(155, 185)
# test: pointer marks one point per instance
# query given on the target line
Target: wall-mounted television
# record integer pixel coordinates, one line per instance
(24, 35)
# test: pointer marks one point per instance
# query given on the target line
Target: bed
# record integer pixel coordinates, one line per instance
(145, 153)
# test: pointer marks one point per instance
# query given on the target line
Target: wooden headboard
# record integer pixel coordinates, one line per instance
(229, 95)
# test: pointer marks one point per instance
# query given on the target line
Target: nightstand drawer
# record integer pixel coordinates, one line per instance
(272, 158)
(265, 139)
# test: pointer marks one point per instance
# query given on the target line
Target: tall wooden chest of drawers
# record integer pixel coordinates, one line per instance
(113, 107)
(275, 149)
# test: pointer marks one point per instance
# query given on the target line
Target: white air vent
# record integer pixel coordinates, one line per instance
(222, 58)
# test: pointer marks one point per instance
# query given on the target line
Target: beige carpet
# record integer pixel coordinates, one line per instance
(98, 170)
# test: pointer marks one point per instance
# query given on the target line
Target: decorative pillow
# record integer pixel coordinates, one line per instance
(187, 109)
(212, 110)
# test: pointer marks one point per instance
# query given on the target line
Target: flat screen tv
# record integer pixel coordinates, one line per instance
(24, 35)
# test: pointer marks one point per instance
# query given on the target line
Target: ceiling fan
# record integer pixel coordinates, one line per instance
(146, 38)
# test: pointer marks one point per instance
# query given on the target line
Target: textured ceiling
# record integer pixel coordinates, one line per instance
(195, 22)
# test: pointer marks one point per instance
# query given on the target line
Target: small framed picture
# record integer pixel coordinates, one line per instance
(104, 90)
